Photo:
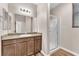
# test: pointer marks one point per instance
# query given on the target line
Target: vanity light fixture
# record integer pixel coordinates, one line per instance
(25, 10)
(20, 9)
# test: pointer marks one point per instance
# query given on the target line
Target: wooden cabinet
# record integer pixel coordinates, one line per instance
(38, 44)
(21, 46)
(30, 46)
(8, 48)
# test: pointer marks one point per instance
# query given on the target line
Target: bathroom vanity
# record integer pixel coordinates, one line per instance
(21, 45)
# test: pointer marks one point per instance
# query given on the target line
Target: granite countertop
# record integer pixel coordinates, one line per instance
(16, 36)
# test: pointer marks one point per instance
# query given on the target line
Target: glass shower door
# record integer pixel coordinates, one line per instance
(53, 33)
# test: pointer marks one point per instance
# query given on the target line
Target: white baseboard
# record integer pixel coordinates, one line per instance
(58, 49)
(69, 51)
(53, 51)
(49, 52)
(43, 53)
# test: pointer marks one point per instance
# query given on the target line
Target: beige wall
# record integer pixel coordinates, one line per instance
(14, 8)
(69, 37)
(42, 13)
(5, 6)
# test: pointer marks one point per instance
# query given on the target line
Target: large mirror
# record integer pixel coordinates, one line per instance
(23, 24)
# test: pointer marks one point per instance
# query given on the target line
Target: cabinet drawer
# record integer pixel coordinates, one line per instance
(7, 42)
(30, 38)
(38, 37)
(20, 40)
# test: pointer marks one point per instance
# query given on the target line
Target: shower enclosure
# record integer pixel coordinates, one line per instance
(53, 32)
(53, 29)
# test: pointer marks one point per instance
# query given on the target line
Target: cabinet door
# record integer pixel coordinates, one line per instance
(38, 44)
(9, 50)
(30, 46)
(21, 49)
